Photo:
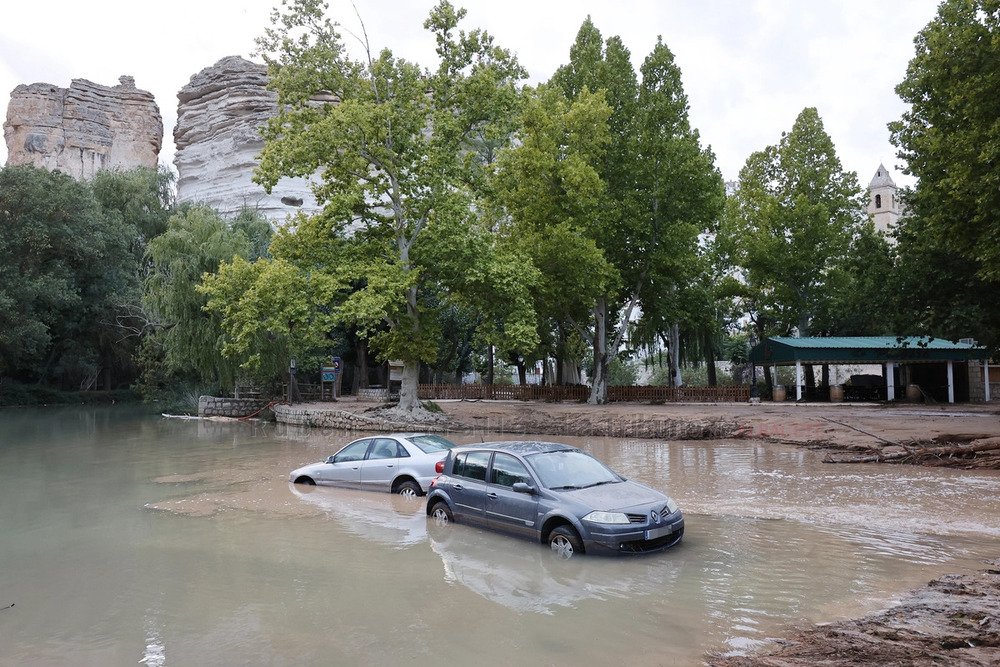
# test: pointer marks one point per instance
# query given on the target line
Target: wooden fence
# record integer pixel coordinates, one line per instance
(547, 393)
(650, 394)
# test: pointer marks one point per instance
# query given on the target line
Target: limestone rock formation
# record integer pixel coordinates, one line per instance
(217, 137)
(84, 128)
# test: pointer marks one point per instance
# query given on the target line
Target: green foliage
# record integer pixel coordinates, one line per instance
(64, 269)
(693, 375)
(789, 226)
(949, 137)
(622, 374)
(401, 154)
(609, 188)
(195, 245)
(140, 197)
(935, 290)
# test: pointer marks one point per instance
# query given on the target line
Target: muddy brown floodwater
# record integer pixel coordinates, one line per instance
(129, 538)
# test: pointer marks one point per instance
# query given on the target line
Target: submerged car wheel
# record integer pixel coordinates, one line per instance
(441, 514)
(564, 542)
(408, 489)
(305, 480)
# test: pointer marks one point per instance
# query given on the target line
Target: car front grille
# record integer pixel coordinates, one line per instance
(636, 518)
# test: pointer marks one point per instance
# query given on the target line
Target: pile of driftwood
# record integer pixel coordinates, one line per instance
(981, 453)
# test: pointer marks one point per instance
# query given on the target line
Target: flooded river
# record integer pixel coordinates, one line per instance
(127, 538)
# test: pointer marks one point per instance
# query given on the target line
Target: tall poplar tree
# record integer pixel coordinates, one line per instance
(661, 188)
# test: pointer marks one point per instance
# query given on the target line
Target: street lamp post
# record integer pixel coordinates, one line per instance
(754, 398)
(291, 377)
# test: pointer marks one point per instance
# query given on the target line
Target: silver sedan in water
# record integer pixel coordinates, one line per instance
(398, 463)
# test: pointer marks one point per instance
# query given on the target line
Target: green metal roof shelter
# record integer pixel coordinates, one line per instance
(889, 351)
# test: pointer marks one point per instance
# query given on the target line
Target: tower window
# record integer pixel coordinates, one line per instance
(878, 201)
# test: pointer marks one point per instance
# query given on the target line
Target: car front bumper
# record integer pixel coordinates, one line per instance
(629, 539)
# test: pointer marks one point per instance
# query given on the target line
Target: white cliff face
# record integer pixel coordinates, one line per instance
(84, 128)
(219, 115)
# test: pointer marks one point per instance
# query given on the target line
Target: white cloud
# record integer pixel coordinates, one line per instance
(749, 67)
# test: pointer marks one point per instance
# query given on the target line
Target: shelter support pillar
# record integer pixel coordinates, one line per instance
(798, 380)
(890, 381)
(986, 377)
(951, 381)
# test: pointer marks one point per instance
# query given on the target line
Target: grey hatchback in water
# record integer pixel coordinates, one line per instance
(554, 494)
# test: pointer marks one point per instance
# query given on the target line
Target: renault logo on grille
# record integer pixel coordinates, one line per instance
(655, 516)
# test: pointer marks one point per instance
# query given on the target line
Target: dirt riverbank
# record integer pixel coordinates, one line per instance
(954, 620)
(965, 436)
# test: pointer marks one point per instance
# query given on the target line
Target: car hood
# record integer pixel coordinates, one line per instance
(617, 496)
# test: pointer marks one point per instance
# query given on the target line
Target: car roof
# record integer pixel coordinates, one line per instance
(522, 447)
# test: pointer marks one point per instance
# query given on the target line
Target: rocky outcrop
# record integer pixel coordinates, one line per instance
(84, 128)
(219, 115)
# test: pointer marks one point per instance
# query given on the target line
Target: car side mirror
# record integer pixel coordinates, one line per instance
(521, 487)
(329, 460)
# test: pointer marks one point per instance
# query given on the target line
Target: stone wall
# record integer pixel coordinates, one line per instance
(84, 128)
(320, 416)
(213, 406)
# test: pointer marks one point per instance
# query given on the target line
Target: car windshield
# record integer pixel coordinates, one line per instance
(431, 443)
(570, 470)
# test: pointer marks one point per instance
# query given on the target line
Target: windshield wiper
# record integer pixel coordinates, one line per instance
(561, 488)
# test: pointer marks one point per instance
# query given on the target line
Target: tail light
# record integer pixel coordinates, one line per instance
(439, 467)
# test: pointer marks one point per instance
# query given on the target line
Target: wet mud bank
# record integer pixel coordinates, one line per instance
(954, 620)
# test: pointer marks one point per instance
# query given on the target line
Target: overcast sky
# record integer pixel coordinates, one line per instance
(749, 67)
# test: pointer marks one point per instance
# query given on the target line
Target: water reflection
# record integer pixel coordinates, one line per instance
(384, 518)
(130, 537)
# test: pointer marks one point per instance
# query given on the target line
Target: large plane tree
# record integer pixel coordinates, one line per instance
(398, 150)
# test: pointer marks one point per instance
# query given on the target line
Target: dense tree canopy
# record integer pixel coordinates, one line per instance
(950, 137)
(66, 271)
(196, 243)
(630, 201)
(789, 227)
(397, 149)
(465, 218)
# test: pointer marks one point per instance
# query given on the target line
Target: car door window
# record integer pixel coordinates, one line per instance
(472, 465)
(384, 448)
(353, 452)
(507, 471)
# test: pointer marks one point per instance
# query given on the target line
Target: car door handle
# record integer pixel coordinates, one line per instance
(459, 487)
(492, 496)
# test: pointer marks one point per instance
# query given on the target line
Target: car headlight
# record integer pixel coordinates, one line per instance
(606, 517)
(671, 505)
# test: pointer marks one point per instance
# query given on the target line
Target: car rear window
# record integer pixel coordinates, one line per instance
(431, 443)
(472, 465)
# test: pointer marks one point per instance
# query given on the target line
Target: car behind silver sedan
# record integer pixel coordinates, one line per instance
(554, 494)
(398, 463)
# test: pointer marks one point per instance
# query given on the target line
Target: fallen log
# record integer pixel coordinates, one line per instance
(949, 451)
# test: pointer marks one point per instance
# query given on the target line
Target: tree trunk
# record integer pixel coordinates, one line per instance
(408, 400)
(710, 360)
(490, 360)
(675, 356)
(360, 366)
(522, 375)
(599, 387)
